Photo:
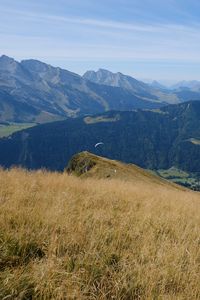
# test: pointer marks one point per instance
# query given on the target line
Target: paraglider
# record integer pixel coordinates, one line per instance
(98, 144)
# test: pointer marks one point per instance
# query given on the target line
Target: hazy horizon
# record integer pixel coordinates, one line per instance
(144, 39)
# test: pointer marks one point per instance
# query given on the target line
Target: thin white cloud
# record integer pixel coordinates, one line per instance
(54, 37)
(46, 48)
(107, 24)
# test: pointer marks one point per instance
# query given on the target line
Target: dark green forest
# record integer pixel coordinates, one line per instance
(157, 139)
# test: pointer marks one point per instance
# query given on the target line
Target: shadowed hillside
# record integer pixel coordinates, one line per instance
(152, 139)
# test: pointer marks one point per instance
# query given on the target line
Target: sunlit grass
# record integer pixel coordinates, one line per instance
(62, 237)
(6, 130)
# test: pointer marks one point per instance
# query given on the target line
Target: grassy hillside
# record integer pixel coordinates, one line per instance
(6, 130)
(180, 177)
(89, 165)
(67, 237)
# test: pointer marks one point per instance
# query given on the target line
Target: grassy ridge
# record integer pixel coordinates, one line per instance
(63, 237)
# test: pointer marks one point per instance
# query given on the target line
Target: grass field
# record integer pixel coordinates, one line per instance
(65, 237)
(6, 130)
(178, 176)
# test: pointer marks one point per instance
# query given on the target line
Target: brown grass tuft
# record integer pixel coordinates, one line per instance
(63, 237)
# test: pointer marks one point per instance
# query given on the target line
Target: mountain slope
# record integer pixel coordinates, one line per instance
(106, 77)
(88, 165)
(157, 85)
(157, 139)
(129, 83)
(32, 91)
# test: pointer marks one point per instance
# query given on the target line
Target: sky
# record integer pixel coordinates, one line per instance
(147, 39)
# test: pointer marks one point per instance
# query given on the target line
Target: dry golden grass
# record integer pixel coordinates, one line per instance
(63, 237)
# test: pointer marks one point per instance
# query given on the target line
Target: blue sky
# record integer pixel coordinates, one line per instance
(153, 39)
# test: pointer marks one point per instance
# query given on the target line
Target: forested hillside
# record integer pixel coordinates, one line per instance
(151, 139)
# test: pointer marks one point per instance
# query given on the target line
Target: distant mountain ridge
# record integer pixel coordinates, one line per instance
(106, 77)
(157, 85)
(193, 85)
(157, 139)
(33, 91)
(181, 92)
(141, 89)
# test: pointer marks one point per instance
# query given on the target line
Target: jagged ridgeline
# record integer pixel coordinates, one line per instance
(33, 91)
(153, 139)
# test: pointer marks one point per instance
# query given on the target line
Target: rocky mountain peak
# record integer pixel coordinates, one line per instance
(7, 63)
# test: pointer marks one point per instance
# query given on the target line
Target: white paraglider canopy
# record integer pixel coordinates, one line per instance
(98, 144)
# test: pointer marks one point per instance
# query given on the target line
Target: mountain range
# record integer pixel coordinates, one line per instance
(153, 139)
(105, 77)
(33, 91)
(193, 85)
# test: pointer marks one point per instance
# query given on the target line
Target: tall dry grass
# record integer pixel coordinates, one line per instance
(66, 238)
